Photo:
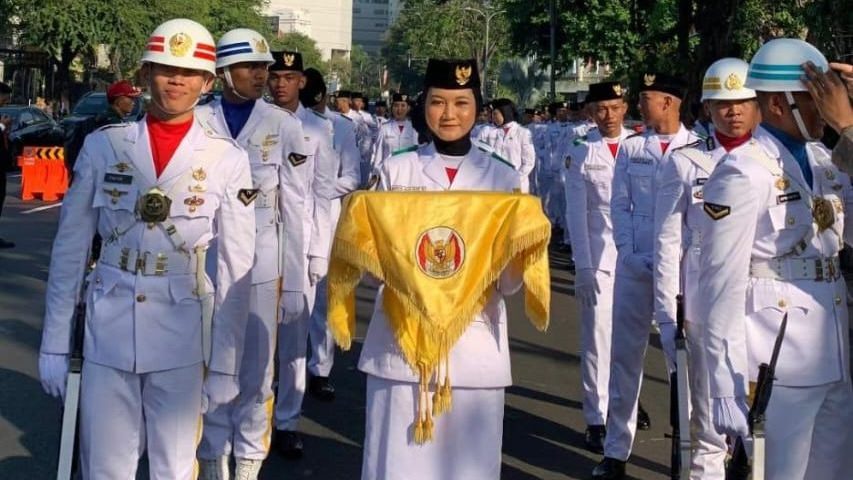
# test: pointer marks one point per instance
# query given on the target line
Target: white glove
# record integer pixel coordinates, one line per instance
(293, 303)
(667, 342)
(586, 287)
(639, 265)
(220, 388)
(730, 417)
(317, 269)
(53, 371)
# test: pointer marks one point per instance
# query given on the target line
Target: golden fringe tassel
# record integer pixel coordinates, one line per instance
(423, 425)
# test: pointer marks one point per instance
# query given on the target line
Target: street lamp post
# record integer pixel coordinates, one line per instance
(488, 18)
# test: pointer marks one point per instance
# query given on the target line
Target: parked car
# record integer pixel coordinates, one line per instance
(30, 127)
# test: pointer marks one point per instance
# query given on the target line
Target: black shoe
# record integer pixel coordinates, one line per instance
(5, 244)
(643, 420)
(321, 389)
(594, 438)
(609, 469)
(288, 444)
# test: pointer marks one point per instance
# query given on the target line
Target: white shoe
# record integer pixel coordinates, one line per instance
(247, 469)
(214, 469)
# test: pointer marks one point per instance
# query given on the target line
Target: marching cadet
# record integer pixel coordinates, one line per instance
(483, 128)
(556, 134)
(395, 134)
(285, 81)
(588, 175)
(776, 222)
(360, 104)
(678, 218)
(381, 112)
(449, 162)
(279, 159)
(640, 158)
(537, 131)
(512, 142)
(157, 191)
(313, 95)
(343, 104)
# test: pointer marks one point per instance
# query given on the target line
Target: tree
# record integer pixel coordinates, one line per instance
(298, 42)
(523, 78)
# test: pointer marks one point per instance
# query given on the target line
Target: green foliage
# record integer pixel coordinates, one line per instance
(523, 79)
(298, 42)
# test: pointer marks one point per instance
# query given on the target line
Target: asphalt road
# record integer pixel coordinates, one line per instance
(543, 425)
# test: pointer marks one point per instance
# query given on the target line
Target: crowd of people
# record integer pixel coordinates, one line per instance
(216, 226)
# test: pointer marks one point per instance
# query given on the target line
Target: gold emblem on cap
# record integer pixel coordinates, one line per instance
(318, 97)
(179, 44)
(463, 74)
(261, 45)
(649, 79)
(733, 82)
(404, 97)
(289, 59)
(782, 183)
(617, 89)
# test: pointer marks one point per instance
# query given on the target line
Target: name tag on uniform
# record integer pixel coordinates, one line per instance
(701, 181)
(642, 161)
(400, 188)
(788, 197)
(595, 167)
(118, 178)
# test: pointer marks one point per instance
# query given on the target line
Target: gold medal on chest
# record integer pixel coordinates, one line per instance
(782, 183)
(199, 175)
(193, 203)
(823, 213)
(154, 206)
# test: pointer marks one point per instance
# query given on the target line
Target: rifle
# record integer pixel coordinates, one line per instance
(739, 466)
(68, 435)
(679, 412)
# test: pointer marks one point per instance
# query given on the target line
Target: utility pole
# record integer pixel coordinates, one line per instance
(553, 42)
(487, 17)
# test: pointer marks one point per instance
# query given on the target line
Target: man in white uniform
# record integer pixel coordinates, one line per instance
(640, 158)
(279, 157)
(512, 141)
(343, 104)
(285, 81)
(157, 191)
(678, 242)
(395, 134)
(348, 170)
(776, 222)
(588, 173)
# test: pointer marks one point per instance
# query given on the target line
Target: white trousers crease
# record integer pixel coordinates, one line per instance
(596, 334)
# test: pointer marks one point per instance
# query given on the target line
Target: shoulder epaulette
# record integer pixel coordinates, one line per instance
(411, 148)
(344, 116)
(502, 160)
(484, 147)
(695, 144)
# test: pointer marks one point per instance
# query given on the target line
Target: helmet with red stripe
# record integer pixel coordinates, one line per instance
(181, 42)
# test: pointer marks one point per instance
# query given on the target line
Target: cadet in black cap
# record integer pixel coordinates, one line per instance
(381, 111)
(286, 79)
(632, 210)
(480, 371)
(396, 133)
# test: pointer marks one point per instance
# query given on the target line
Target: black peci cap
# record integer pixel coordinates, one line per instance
(599, 92)
(399, 97)
(314, 90)
(286, 61)
(452, 74)
(661, 82)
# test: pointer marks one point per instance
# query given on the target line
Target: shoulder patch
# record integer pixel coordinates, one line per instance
(716, 211)
(247, 195)
(404, 150)
(502, 160)
(296, 159)
(695, 144)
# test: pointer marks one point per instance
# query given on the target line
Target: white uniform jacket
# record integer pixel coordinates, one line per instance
(349, 159)
(363, 138)
(516, 145)
(764, 223)
(588, 176)
(481, 356)
(274, 140)
(678, 221)
(555, 137)
(144, 301)
(393, 136)
(481, 132)
(324, 165)
(633, 198)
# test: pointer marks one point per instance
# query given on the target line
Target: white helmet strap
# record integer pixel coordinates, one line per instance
(227, 74)
(798, 118)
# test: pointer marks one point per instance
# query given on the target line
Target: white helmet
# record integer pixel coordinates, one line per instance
(181, 42)
(724, 80)
(777, 65)
(242, 45)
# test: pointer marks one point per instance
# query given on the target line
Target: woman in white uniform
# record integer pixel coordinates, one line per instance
(467, 439)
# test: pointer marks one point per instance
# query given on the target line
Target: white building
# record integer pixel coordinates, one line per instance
(371, 20)
(327, 22)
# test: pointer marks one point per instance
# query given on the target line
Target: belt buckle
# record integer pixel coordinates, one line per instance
(122, 262)
(818, 269)
(160, 265)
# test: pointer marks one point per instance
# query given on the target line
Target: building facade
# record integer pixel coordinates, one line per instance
(327, 22)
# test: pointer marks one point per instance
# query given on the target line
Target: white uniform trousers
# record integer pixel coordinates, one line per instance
(322, 344)
(292, 349)
(709, 447)
(596, 334)
(123, 413)
(243, 426)
(632, 319)
(466, 441)
(557, 203)
(808, 432)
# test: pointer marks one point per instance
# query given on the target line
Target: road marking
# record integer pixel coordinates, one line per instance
(42, 208)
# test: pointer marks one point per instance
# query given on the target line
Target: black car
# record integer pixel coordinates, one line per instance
(84, 119)
(30, 127)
